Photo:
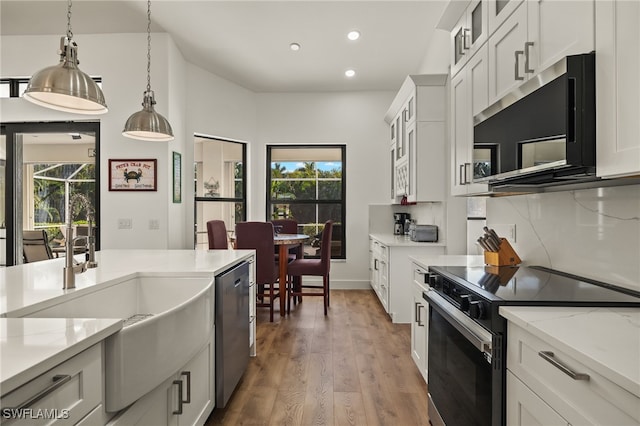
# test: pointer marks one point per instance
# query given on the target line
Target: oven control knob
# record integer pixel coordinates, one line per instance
(476, 310)
(435, 281)
(464, 302)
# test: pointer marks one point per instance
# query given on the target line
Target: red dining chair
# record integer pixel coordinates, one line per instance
(259, 237)
(313, 267)
(289, 226)
(217, 234)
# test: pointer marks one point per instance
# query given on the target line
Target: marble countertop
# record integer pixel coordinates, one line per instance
(402, 241)
(30, 347)
(30, 287)
(606, 340)
(447, 260)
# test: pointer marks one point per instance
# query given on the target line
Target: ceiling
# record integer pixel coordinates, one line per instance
(247, 42)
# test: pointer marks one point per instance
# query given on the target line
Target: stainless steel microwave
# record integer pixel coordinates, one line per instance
(542, 134)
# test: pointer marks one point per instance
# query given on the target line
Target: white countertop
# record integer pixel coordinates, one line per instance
(447, 260)
(402, 241)
(606, 340)
(31, 346)
(34, 286)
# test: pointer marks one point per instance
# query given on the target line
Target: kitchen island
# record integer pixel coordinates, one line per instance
(179, 284)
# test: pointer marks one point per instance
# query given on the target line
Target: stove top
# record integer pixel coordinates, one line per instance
(537, 286)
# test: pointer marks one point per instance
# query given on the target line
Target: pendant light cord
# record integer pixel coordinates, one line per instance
(148, 45)
(69, 33)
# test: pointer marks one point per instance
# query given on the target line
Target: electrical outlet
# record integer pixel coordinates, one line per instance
(507, 231)
(154, 224)
(512, 233)
(124, 224)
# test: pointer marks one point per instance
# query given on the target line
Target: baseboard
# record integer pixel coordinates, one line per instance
(337, 284)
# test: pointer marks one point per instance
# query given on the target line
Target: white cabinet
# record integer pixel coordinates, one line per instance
(618, 88)
(252, 307)
(498, 11)
(525, 408)
(469, 34)
(420, 321)
(537, 34)
(69, 392)
(186, 398)
(392, 274)
(417, 127)
(469, 96)
(577, 393)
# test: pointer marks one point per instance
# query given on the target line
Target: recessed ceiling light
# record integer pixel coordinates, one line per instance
(349, 73)
(353, 35)
(294, 46)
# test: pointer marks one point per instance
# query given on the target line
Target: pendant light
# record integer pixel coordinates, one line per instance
(64, 87)
(147, 124)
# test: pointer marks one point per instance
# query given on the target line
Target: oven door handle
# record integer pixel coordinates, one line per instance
(478, 336)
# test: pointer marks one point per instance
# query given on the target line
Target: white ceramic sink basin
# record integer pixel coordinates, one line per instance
(167, 320)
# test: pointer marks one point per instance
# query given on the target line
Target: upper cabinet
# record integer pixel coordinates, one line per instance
(469, 34)
(617, 88)
(417, 127)
(533, 35)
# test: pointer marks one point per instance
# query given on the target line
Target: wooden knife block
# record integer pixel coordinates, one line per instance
(506, 255)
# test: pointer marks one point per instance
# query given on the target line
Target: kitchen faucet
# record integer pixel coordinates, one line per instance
(73, 267)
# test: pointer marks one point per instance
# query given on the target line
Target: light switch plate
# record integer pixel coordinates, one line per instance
(125, 223)
(507, 231)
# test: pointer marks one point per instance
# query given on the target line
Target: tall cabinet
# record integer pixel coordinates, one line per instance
(416, 121)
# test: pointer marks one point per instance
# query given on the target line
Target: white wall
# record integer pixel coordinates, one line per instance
(352, 118)
(121, 61)
(593, 233)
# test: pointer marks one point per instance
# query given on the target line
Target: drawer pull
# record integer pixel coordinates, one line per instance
(549, 357)
(58, 380)
(180, 400)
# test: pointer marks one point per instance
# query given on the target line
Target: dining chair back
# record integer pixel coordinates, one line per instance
(217, 235)
(259, 237)
(35, 246)
(314, 267)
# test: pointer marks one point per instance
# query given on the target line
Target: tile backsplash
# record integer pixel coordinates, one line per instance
(593, 233)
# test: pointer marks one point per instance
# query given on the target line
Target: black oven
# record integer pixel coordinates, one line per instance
(460, 369)
(467, 336)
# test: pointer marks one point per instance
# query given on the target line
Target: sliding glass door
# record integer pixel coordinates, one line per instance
(44, 165)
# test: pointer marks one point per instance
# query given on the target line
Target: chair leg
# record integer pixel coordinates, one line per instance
(289, 291)
(328, 292)
(325, 296)
(271, 302)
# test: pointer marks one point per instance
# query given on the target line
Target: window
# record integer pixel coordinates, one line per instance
(15, 87)
(220, 185)
(307, 183)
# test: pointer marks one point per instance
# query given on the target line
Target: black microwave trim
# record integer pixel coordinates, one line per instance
(562, 99)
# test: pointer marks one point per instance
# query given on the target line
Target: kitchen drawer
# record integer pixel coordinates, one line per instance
(596, 400)
(76, 395)
(419, 277)
(525, 408)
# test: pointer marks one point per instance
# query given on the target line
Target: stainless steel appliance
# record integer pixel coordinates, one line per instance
(424, 233)
(467, 336)
(232, 330)
(401, 223)
(543, 133)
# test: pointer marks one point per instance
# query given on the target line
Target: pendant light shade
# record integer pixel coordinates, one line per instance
(64, 87)
(147, 124)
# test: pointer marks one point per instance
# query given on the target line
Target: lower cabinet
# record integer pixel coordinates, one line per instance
(63, 395)
(391, 275)
(187, 398)
(420, 322)
(548, 386)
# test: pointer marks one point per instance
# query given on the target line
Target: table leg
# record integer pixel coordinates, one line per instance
(282, 287)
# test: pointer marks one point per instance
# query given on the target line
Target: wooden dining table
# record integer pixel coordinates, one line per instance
(284, 242)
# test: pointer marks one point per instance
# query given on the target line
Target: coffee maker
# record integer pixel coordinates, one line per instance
(400, 225)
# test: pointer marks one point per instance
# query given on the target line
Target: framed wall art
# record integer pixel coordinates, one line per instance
(177, 177)
(133, 175)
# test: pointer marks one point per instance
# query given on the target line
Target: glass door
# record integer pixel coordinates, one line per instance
(44, 165)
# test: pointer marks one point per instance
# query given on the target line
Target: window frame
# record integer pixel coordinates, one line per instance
(269, 202)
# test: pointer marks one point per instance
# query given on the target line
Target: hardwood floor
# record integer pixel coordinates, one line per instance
(352, 367)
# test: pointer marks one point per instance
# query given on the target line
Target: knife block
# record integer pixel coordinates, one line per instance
(506, 255)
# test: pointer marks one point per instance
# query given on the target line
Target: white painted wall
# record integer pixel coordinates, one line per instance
(593, 233)
(121, 61)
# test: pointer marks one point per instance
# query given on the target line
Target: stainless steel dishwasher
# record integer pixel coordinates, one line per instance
(232, 330)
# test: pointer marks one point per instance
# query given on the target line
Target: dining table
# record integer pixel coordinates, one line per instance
(284, 242)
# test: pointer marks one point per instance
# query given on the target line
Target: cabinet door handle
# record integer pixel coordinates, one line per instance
(527, 45)
(461, 177)
(517, 70)
(375, 264)
(420, 324)
(465, 37)
(467, 180)
(416, 312)
(549, 357)
(58, 380)
(179, 383)
(460, 44)
(187, 374)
